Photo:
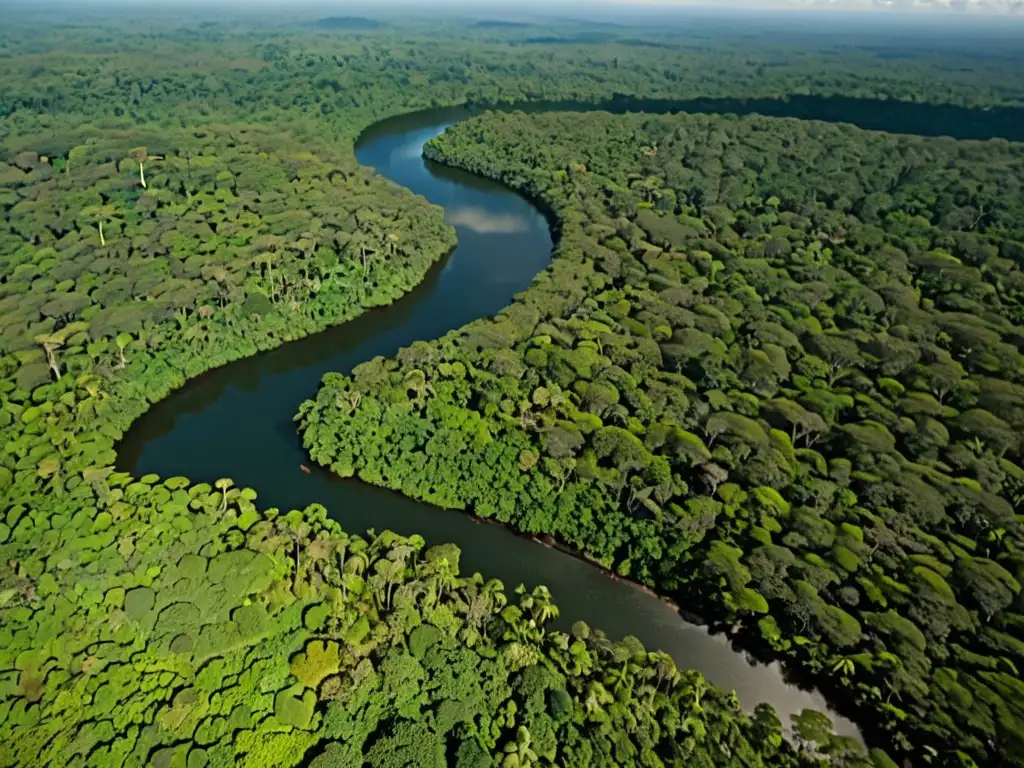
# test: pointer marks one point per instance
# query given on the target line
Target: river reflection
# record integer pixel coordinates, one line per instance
(484, 222)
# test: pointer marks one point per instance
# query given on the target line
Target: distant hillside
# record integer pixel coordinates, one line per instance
(500, 24)
(348, 22)
(583, 38)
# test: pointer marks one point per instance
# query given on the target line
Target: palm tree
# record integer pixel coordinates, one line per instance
(223, 278)
(97, 215)
(664, 668)
(359, 561)
(494, 591)
(994, 536)
(89, 406)
(400, 553)
(379, 583)
(122, 341)
(417, 543)
(268, 261)
(390, 573)
(318, 552)
(542, 608)
(340, 545)
(352, 583)
(51, 342)
(695, 693)
(845, 667)
(519, 629)
(390, 243)
(579, 662)
(223, 484)
(478, 609)
(355, 566)
(351, 399)
(142, 156)
(443, 576)
(296, 535)
(416, 380)
(596, 699)
(620, 679)
(361, 242)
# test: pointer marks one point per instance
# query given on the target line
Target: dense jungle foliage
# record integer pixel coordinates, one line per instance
(115, 250)
(178, 193)
(158, 623)
(775, 368)
(326, 86)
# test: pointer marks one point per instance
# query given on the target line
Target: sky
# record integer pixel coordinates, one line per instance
(1015, 7)
(935, 8)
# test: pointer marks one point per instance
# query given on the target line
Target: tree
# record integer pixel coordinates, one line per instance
(713, 475)
(624, 448)
(317, 661)
(804, 424)
(737, 425)
(562, 440)
(51, 342)
(990, 429)
(295, 531)
(518, 753)
(844, 666)
(664, 669)
(813, 728)
(122, 340)
(223, 484)
(839, 352)
(442, 568)
(942, 378)
(141, 156)
(986, 584)
(97, 215)
(387, 574)
(65, 305)
(688, 448)
(540, 605)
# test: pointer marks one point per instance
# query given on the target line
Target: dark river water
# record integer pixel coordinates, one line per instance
(236, 421)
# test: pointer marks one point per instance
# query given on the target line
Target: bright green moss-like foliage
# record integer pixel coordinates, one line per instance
(775, 367)
(221, 668)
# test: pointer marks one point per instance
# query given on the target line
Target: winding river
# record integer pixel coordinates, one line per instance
(237, 420)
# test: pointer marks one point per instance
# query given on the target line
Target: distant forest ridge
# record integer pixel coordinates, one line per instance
(499, 24)
(348, 22)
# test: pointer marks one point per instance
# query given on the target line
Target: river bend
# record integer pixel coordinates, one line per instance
(236, 421)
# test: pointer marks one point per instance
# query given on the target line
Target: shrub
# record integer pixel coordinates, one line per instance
(319, 660)
(138, 602)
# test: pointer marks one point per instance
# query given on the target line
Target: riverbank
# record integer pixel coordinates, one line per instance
(477, 432)
(503, 245)
(212, 426)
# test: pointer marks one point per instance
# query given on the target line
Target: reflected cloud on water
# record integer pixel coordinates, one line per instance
(410, 151)
(413, 149)
(485, 222)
